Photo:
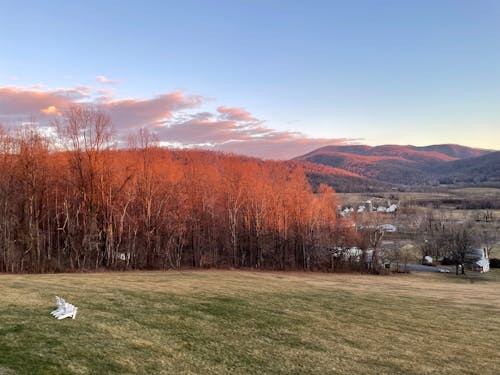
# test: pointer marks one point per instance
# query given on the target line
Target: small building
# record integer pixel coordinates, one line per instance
(122, 256)
(427, 261)
(392, 208)
(369, 205)
(477, 260)
(386, 228)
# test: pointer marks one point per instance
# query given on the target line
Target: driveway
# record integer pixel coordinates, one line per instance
(421, 268)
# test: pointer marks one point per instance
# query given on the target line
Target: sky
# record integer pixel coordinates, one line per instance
(272, 79)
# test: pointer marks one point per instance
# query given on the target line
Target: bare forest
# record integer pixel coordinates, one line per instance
(76, 202)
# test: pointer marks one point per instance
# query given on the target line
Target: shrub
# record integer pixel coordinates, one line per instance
(447, 262)
(495, 263)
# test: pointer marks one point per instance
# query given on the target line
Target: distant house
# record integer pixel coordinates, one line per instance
(427, 260)
(122, 256)
(346, 211)
(369, 205)
(477, 260)
(386, 228)
(356, 253)
(392, 208)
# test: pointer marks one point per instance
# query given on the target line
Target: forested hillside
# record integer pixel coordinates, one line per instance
(485, 168)
(408, 165)
(74, 202)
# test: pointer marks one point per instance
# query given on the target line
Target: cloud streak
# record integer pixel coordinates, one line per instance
(104, 80)
(174, 117)
(235, 114)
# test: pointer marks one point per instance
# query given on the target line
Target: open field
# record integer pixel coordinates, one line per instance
(232, 322)
(415, 197)
(475, 192)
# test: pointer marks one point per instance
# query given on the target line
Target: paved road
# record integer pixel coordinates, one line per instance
(421, 268)
(470, 275)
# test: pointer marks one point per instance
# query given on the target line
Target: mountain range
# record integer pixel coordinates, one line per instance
(380, 166)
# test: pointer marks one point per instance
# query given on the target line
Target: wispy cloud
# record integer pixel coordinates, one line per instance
(173, 116)
(235, 114)
(241, 137)
(19, 102)
(130, 113)
(105, 80)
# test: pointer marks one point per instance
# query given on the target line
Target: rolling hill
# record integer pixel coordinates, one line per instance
(340, 179)
(410, 165)
(455, 151)
(479, 169)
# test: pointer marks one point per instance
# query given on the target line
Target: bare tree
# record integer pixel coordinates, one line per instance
(462, 240)
(487, 234)
(86, 133)
(441, 236)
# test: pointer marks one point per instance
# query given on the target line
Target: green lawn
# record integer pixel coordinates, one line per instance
(231, 322)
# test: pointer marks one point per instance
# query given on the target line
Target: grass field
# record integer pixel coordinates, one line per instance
(232, 322)
(356, 199)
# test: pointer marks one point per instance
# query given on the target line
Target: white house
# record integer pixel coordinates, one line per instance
(477, 260)
(392, 208)
(386, 228)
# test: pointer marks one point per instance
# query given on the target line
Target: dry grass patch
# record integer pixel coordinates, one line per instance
(231, 322)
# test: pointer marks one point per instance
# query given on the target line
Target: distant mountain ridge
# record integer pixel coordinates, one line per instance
(410, 165)
(481, 168)
(455, 151)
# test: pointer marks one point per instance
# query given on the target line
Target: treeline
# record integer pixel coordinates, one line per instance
(74, 202)
(461, 203)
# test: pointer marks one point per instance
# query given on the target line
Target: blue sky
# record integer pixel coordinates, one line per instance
(406, 72)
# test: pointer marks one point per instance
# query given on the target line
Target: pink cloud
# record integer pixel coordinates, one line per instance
(16, 102)
(280, 145)
(240, 137)
(200, 131)
(51, 110)
(104, 80)
(170, 116)
(19, 102)
(129, 113)
(235, 114)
